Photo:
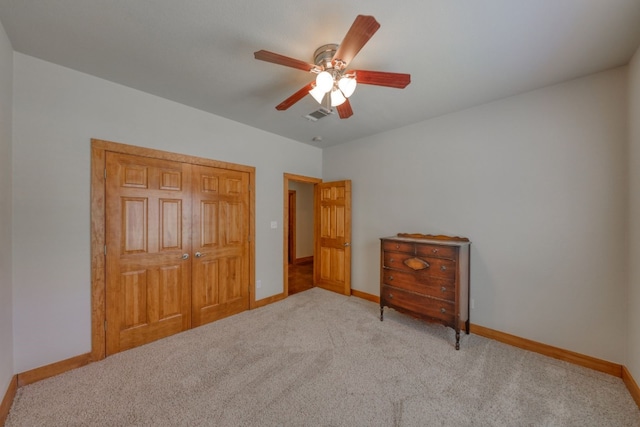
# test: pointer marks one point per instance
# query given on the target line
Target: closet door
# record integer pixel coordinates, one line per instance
(220, 243)
(148, 253)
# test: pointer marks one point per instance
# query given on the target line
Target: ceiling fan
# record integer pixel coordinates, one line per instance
(334, 84)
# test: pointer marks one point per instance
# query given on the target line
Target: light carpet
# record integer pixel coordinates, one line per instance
(322, 359)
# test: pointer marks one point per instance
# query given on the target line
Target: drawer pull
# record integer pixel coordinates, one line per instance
(390, 278)
(443, 310)
(397, 246)
(391, 260)
(443, 267)
(443, 289)
(435, 251)
(390, 296)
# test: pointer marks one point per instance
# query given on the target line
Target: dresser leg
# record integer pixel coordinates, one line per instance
(457, 340)
(381, 313)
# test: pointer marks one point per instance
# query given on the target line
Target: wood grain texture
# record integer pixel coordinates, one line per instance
(276, 58)
(433, 237)
(7, 400)
(99, 148)
(53, 369)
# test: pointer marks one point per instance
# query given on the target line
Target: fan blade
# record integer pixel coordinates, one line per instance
(381, 78)
(295, 97)
(362, 29)
(276, 58)
(344, 110)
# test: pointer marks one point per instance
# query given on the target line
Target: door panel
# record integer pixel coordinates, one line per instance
(148, 283)
(220, 230)
(333, 236)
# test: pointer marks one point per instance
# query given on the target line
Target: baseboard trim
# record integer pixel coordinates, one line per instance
(53, 369)
(7, 400)
(550, 351)
(269, 300)
(547, 350)
(631, 384)
(364, 295)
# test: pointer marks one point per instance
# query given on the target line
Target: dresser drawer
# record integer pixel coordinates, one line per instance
(437, 287)
(436, 267)
(419, 305)
(436, 251)
(396, 246)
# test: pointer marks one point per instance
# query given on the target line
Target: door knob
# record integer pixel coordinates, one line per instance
(185, 256)
(199, 254)
(347, 244)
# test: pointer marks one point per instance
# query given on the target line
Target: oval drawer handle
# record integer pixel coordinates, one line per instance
(390, 296)
(443, 289)
(443, 267)
(390, 277)
(391, 259)
(435, 251)
(443, 310)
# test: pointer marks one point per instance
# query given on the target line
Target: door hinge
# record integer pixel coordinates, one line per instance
(105, 173)
(105, 250)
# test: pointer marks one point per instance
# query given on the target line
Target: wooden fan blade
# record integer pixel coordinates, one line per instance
(344, 110)
(362, 29)
(382, 78)
(276, 58)
(295, 97)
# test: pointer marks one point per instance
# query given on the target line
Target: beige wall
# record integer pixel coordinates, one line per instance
(56, 113)
(633, 352)
(6, 312)
(538, 182)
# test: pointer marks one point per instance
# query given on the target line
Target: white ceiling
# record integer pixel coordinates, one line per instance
(460, 53)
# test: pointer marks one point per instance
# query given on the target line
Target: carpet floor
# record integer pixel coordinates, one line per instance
(322, 359)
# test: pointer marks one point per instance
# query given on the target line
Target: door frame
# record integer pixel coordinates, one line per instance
(291, 231)
(99, 149)
(285, 258)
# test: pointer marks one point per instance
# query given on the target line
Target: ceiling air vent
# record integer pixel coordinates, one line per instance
(318, 114)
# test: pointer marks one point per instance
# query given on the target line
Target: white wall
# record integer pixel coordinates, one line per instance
(6, 312)
(304, 218)
(633, 353)
(538, 182)
(56, 113)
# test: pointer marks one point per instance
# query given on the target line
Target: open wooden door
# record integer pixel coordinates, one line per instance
(332, 269)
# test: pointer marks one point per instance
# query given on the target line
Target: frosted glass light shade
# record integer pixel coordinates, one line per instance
(337, 98)
(324, 81)
(318, 94)
(347, 85)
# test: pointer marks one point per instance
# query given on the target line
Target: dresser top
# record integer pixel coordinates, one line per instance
(438, 240)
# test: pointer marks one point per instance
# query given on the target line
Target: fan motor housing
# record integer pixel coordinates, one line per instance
(324, 54)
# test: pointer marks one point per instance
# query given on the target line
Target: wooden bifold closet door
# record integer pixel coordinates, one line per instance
(177, 252)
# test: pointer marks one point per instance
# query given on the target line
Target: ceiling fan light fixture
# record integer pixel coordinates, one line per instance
(337, 98)
(318, 94)
(347, 85)
(324, 81)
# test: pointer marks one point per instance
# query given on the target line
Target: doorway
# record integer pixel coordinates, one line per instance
(331, 240)
(298, 233)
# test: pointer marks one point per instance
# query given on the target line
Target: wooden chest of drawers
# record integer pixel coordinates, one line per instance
(427, 277)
